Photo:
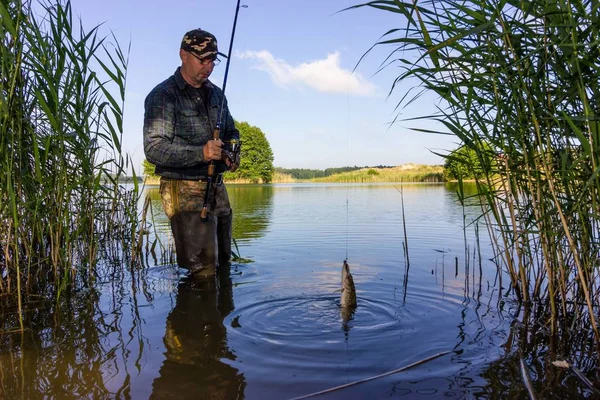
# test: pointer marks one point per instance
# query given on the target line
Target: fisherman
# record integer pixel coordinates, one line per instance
(181, 114)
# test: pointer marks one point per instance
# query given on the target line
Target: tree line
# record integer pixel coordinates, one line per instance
(306, 173)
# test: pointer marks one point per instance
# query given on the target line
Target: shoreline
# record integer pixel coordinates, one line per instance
(156, 183)
(407, 173)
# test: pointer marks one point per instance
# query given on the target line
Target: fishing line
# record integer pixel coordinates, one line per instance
(348, 142)
(244, 90)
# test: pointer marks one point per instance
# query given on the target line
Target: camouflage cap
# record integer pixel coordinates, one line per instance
(202, 43)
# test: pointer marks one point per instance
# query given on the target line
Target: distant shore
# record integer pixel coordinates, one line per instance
(402, 173)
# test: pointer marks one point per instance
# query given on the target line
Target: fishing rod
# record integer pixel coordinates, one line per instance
(233, 145)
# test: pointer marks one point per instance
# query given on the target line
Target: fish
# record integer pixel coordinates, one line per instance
(348, 299)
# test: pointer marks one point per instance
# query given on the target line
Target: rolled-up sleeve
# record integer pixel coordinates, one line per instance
(159, 131)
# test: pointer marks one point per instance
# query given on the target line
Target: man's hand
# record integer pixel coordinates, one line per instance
(212, 150)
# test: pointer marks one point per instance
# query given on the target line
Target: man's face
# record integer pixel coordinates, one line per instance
(194, 70)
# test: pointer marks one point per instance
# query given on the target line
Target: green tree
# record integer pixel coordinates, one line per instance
(257, 157)
(466, 163)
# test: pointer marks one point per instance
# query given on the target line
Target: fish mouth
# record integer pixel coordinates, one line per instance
(345, 271)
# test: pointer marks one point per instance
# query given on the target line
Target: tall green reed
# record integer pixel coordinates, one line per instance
(519, 83)
(61, 110)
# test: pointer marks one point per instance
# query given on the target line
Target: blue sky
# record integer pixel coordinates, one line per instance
(290, 75)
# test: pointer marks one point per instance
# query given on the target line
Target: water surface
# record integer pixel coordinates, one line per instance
(274, 330)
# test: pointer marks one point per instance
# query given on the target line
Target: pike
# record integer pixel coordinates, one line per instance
(348, 300)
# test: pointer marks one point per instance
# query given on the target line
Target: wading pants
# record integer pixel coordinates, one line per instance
(200, 245)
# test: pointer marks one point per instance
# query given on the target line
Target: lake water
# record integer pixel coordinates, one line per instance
(275, 330)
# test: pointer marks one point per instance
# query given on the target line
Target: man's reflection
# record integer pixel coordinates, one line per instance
(196, 342)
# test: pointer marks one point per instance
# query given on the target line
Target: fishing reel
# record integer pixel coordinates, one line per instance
(231, 151)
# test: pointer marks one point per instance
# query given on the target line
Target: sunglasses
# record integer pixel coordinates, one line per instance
(207, 60)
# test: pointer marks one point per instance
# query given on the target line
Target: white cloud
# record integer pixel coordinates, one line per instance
(323, 75)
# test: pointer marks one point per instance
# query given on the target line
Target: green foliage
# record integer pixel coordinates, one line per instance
(257, 157)
(371, 171)
(61, 96)
(236, 255)
(522, 77)
(464, 163)
(148, 169)
(303, 173)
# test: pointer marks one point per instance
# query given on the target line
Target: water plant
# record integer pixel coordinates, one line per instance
(518, 82)
(62, 89)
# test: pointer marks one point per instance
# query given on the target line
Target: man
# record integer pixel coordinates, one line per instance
(180, 116)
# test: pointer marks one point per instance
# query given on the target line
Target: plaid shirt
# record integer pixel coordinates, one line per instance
(177, 125)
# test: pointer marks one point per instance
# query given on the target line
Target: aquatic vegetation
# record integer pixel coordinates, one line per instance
(519, 81)
(61, 110)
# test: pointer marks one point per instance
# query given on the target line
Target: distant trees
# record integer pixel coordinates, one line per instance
(304, 173)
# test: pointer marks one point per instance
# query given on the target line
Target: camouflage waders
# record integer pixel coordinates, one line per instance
(200, 245)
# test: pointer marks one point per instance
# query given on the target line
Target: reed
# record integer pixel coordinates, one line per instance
(61, 110)
(279, 177)
(519, 82)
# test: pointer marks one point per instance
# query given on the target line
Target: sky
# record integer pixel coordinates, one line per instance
(293, 74)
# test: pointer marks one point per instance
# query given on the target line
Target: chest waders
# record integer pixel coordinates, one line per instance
(201, 243)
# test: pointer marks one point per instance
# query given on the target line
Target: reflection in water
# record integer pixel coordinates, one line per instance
(252, 208)
(61, 355)
(196, 344)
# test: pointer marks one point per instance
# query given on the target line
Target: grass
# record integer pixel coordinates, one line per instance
(403, 173)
